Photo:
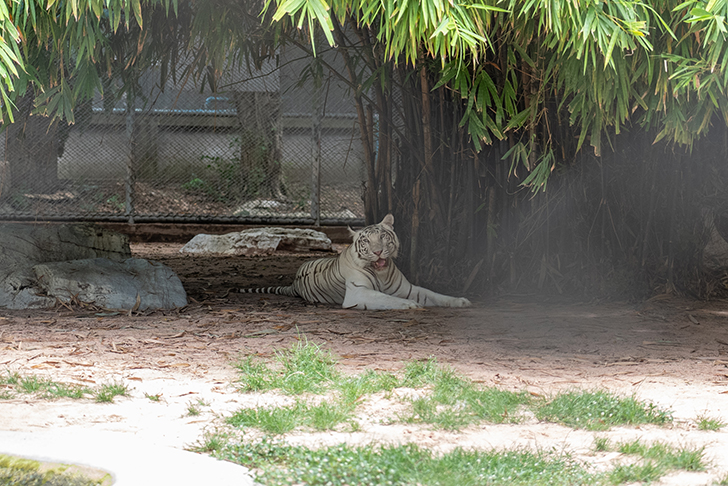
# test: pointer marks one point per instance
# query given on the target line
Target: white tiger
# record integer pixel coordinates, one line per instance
(363, 276)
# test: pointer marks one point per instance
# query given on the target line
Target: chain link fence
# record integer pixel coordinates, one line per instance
(264, 149)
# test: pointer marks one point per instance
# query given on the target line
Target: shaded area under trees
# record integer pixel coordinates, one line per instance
(559, 147)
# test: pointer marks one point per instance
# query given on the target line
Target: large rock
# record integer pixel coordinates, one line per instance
(24, 245)
(132, 284)
(258, 241)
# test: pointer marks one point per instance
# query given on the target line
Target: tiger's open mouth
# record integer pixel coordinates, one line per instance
(380, 264)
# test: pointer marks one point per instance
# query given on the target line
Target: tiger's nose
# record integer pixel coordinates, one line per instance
(378, 252)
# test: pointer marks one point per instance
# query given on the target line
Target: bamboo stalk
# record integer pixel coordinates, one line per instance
(370, 207)
(426, 121)
(414, 232)
(429, 167)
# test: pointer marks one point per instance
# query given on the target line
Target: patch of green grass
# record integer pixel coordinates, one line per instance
(11, 378)
(281, 464)
(599, 410)
(455, 402)
(106, 393)
(665, 455)
(304, 367)
(426, 410)
(326, 416)
(353, 388)
(722, 481)
(32, 478)
(28, 472)
(708, 423)
(422, 373)
(602, 444)
(42, 387)
(275, 420)
(448, 401)
(494, 405)
(63, 390)
(657, 459)
(280, 420)
(194, 408)
(153, 398)
(212, 441)
(32, 384)
(7, 385)
(636, 473)
(254, 375)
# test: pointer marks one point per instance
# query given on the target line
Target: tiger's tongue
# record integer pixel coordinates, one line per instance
(381, 263)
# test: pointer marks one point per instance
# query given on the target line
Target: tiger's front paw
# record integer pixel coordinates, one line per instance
(410, 304)
(460, 302)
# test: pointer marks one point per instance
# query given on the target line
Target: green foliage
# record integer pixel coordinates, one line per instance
(521, 68)
(218, 180)
(60, 49)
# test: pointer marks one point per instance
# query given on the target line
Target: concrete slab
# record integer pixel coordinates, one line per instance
(130, 461)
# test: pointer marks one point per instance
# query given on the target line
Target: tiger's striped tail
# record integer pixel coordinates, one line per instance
(282, 290)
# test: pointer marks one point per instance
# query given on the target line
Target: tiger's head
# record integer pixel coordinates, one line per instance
(377, 244)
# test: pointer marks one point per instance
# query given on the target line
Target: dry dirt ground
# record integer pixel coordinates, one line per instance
(668, 351)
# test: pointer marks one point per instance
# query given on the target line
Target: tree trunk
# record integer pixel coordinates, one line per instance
(259, 117)
(32, 151)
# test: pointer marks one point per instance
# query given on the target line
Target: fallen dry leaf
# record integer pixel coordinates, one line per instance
(78, 363)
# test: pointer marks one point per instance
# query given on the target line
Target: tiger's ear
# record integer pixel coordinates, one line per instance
(388, 221)
(352, 232)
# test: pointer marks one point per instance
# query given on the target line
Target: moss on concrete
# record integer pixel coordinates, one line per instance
(28, 472)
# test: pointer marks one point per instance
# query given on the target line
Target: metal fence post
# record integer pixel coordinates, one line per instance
(129, 180)
(316, 117)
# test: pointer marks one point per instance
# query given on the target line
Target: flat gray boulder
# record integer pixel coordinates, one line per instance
(132, 284)
(258, 241)
(24, 245)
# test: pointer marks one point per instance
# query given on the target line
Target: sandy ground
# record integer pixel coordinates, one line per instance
(668, 351)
